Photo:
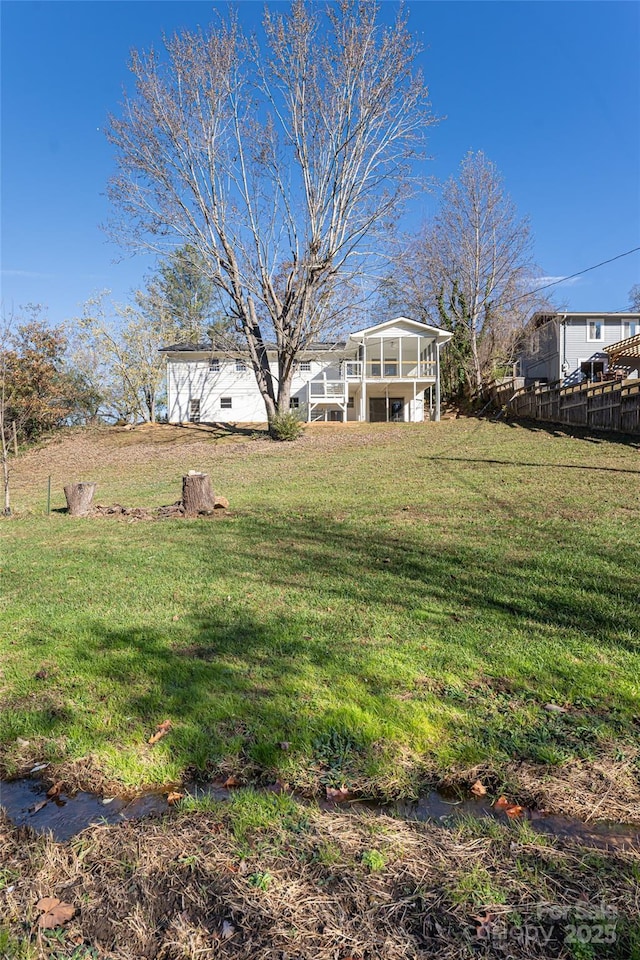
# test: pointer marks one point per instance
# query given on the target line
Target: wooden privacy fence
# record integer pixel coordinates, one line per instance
(602, 406)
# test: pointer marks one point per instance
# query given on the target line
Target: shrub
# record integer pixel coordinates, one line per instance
(286, 426)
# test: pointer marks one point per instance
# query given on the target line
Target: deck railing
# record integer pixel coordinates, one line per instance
(390, 369)
(327, 390)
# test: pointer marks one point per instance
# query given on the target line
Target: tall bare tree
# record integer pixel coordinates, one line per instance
(469, 270)
(634, 298)
(282, 161)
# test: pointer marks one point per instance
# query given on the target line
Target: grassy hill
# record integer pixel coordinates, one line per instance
(396, 604)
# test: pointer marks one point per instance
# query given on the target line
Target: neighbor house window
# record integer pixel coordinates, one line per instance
(240, 366)
(350, 403)
(214, 365)
(630, 328)
(194, 411)
(226, 403)
(294, 403)
(595, 330)
(305, 366)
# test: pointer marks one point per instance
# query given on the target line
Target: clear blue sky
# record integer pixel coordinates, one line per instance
(550, 91)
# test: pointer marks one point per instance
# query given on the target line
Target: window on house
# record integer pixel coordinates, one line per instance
(294, 403)
(226, 403)
(305, 366)
(391, 368)
(214, 365)
(630, 328)
(241, 366)
(194, 411)
(350, 403)
(595, 330)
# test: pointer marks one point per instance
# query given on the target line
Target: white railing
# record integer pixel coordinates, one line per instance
(327, 390)
(390, 369)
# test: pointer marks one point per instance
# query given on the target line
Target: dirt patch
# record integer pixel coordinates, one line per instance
(311, 885)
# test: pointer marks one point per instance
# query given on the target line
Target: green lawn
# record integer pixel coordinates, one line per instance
(393, 603)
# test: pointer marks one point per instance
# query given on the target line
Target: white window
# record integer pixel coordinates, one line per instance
(294, 403)
(241, 366)
(214, 365)
(226, 403)
(630, 328)
(595, 330)
(305, 366)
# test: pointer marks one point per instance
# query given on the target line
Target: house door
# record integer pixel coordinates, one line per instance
(378, 409)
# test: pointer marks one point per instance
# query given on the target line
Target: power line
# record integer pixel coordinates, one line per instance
(573, 275)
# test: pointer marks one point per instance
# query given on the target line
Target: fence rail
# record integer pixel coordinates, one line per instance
(602, 406)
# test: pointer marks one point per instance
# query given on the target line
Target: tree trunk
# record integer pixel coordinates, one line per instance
(80, 498)
(5, 471)
(197, 495)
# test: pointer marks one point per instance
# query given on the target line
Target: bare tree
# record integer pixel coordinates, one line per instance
(634, 298)
(470, 270)
(117, 350)
(282, 161)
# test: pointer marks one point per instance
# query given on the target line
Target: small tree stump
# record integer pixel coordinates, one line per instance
(80, 498)
(197, 495)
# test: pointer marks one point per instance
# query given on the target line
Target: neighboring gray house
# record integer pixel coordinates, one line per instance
(571, 346)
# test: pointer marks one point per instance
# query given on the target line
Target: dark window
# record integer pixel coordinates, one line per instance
(305, 365)
(294, 403)
(226, 403)
(194, 411)
(240, 366)
(214, 364)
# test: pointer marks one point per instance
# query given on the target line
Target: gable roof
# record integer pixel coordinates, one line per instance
(415, 326)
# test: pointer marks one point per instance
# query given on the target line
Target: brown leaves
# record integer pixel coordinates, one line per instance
(512, 810)
(174, 797)
(161, 731)
(478, 789)
(55, 913)
(55, 790)
(554, 708)
(339, 794)
(231, 782)
(485, 926)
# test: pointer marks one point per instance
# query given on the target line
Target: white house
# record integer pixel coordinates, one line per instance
(572, 347)
(384, 372)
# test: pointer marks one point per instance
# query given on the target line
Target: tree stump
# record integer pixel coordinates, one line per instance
(197, 495)
(80, 498)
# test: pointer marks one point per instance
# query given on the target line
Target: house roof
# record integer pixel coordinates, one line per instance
(539, 319)
(417, 325)
(209, 347)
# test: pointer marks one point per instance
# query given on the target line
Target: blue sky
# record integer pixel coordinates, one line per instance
(550, 91)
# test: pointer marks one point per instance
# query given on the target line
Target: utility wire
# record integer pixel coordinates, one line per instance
(572, 276)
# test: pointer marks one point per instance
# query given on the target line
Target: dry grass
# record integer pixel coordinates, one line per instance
(304, 887)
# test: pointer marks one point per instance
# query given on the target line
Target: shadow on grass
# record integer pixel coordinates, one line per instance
(363, 646)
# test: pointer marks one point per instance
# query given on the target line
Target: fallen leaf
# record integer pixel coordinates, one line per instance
(42, 674)
(554, 708)
(107, 800)
(37, 806)
(512, 810)
(38, 767)
(56, 789)
(284, 744)
(339, 794)
(485, 925)
(55, 913)
(228, 930)
(161, 730)
(176, 618)
(231, 782)
(478, 789)
(174, 798)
